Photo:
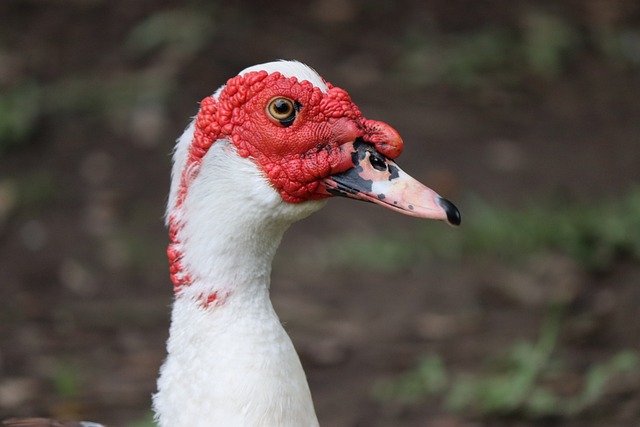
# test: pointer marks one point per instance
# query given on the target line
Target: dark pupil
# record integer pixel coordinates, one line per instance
(377, 162)
(282, 107)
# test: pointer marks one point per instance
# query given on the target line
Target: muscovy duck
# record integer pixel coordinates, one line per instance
(265, 150)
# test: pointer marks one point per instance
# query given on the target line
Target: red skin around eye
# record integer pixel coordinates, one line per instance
(294, 158)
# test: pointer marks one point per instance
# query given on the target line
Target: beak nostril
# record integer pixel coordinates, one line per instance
(377, 162)
(453, 214)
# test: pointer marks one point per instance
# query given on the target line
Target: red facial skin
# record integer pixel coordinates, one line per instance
(294, 158)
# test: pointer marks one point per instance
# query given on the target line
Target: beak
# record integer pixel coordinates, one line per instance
(375, 178)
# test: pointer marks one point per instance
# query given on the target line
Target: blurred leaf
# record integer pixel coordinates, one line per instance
(100, 95)
(66, 381)
(147, 421)
(373, 251)
(599, 375)
(515, 386)
(34, 190)
(472, 57)
(548, 41)
(629, 42)
(542, 403)
(429, 377)
(594, 235)
(184, 30)
(625, 361)
(19, 112)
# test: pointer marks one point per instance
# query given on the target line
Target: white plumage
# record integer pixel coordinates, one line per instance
(232, 364)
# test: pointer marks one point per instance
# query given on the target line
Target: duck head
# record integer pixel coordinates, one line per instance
(309, 140)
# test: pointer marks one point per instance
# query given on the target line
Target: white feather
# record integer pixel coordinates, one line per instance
(291, 69)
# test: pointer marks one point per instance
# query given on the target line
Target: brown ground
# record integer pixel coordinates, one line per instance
(84, 294)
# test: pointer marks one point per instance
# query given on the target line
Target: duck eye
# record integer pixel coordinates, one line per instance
(283, 110)
(377, 162)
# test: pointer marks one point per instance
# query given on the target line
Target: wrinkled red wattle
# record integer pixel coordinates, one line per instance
(296, 158)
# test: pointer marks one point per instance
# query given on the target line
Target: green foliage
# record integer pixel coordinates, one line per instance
(547, 42)
(470, 57)
(514, 384)
(597, 377)
(66, 381)
(190, 30)
(179, 34)
(461, 60)
(146, 421)
(103, 95)
(382, 253)
(428, 378)
(19, 112)
(619, 47)
(33, 191)
(594, 235)
(510, 387)
(543, 44)
(23, 104)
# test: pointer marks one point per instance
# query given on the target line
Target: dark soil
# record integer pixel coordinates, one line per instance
(84, 288)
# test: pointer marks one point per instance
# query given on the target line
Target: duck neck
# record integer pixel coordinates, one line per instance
(229, 360)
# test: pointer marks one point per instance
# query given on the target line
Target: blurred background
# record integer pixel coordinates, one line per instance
(524, 113)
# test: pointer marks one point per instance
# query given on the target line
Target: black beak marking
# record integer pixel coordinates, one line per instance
(351, 181)
(453, 214)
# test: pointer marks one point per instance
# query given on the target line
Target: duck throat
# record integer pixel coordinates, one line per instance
(228, 260)
(225, 228)
(229, 360)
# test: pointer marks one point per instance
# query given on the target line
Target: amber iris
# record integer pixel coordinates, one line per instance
(282, 110)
